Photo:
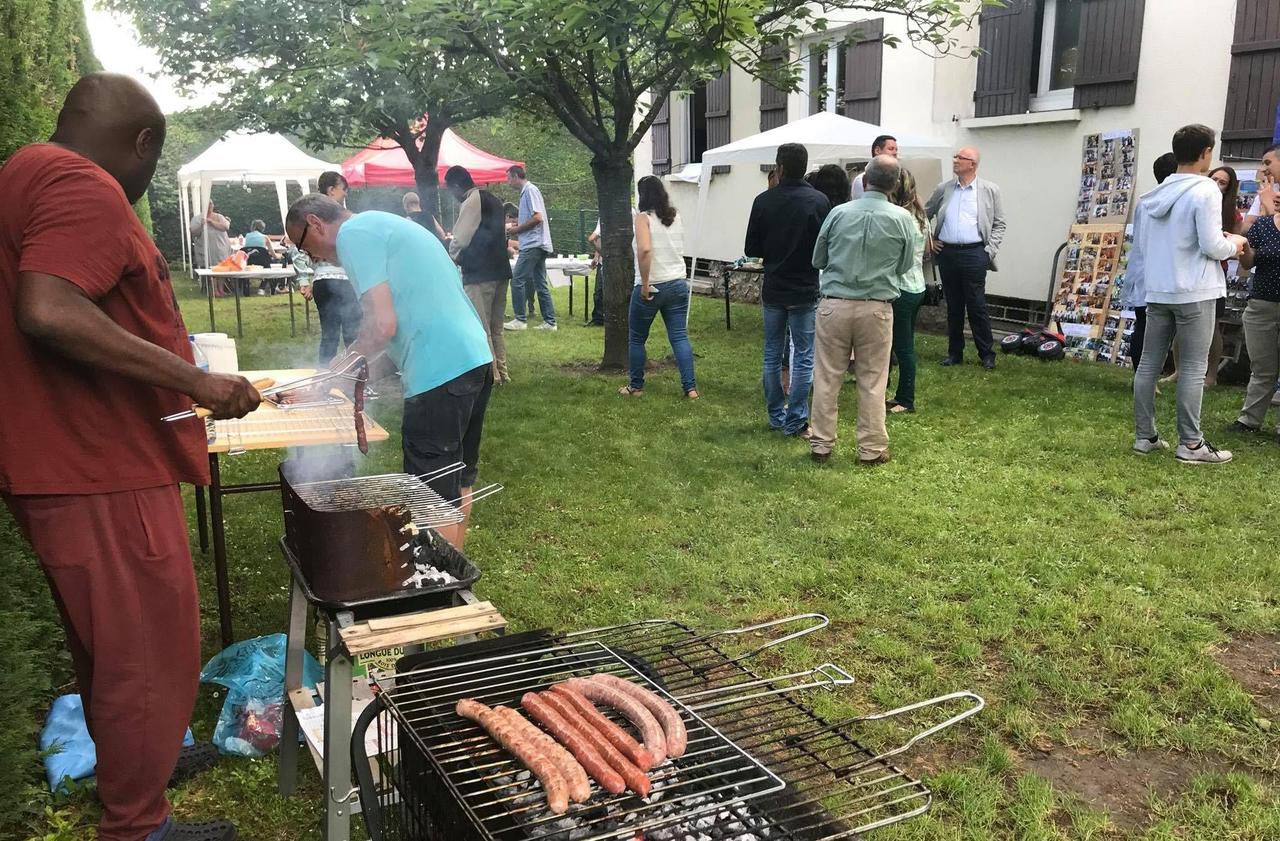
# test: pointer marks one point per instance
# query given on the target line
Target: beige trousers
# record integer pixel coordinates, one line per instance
(490, 300)
(864, 328)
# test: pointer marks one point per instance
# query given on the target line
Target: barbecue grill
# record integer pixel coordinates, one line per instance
(353, 541)
(439, 778)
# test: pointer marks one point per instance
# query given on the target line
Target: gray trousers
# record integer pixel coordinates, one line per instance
(1262, 338)
(1193, 325)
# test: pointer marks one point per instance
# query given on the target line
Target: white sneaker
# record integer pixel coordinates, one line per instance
(1145, 446)
(515, 324)
(1206, 453)
(545, 326)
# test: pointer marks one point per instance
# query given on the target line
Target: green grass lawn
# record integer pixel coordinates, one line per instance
(1014, 547)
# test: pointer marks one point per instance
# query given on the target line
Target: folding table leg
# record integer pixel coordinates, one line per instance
(338, 791)
(287, 773)
(202, 519)
(219, 550)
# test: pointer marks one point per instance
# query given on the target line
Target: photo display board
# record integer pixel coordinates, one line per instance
(1087, 296)
(1108, 172)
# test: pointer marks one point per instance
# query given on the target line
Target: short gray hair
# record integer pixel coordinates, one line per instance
(882, 174)
(314, 204)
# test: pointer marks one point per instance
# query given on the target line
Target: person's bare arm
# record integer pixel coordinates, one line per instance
(56, 314)
(377, 328)
(644, 253)
(534, 221)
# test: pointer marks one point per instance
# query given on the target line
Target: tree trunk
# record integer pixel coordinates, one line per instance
(425, 167)
(613, 193)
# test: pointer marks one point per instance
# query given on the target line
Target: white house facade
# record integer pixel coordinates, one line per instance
(1050, 73)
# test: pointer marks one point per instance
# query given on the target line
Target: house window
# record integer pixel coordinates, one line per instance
(817, 78)
(825, 89)
(697, 102)
(1058, 55)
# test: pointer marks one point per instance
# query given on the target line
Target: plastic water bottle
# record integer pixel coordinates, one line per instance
(201, 361)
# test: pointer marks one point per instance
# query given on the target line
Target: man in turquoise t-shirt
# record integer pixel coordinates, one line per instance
(416, 311)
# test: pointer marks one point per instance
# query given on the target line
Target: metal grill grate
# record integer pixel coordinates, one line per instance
(836, 788)
(428, 508)
(498, 795)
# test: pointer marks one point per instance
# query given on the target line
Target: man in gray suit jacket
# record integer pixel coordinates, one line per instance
(968, 220)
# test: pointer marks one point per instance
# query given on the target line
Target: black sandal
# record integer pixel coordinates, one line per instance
(192, 760)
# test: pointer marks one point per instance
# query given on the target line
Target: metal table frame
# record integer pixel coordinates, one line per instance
(217, 491)
(208, 277)
(341, 797)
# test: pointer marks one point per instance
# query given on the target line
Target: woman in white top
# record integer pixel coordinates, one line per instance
(661, 286)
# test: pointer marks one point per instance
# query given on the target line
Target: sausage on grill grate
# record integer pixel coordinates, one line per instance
(634, 778)
(677, 737)
(574, 774)
(573, 738)
(634, 711)
(520, 746)
(617, 737)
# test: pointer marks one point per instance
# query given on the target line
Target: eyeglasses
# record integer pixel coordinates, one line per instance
(963, 158)
(306, 226)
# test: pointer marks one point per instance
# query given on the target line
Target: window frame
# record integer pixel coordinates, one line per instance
(1044, 98)
(833, 40)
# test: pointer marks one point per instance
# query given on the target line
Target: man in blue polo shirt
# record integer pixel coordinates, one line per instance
(415, 312)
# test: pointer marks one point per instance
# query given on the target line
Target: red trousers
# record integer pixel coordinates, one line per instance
(121, 573)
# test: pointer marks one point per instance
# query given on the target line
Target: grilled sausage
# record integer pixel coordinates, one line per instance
(522, 748)
(617, 737)
(362, 377)
(576, 741)
(634, 711)
(633, 777)
(574, 774)
(672, 726)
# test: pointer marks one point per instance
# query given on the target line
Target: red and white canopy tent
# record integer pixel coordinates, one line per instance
(384, 164)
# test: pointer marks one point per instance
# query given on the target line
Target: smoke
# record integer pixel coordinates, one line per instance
(316, 464)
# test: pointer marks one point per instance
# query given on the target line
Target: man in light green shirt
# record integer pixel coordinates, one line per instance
(863, 251)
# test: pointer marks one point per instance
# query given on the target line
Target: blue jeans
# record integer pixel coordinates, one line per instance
(530, 277)
(790, 414)
(672, 300)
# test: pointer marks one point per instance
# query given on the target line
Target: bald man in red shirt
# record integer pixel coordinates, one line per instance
(95, 353)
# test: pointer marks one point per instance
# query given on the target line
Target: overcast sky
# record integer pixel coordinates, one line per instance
(115, 41)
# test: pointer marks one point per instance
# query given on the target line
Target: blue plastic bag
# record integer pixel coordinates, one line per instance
(253, 713)
(69, 751)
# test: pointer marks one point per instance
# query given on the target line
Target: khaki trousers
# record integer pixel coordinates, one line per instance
(864, 328)
(490, 300)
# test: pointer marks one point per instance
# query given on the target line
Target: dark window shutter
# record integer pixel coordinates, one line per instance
(1110, 39)
(718, 114)
(1253, 90)
(660, 131)
(864, 62)
(773, 101)
(1007, 37)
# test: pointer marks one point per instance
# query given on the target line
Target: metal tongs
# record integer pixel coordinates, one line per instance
(348, 371)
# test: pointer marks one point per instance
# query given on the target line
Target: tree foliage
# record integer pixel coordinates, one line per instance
(334, 74)
(600, 66)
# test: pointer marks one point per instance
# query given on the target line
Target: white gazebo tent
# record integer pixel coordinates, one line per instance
(830, 139)
(242, 157)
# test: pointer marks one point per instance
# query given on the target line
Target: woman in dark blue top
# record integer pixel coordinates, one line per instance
(1262, 317)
